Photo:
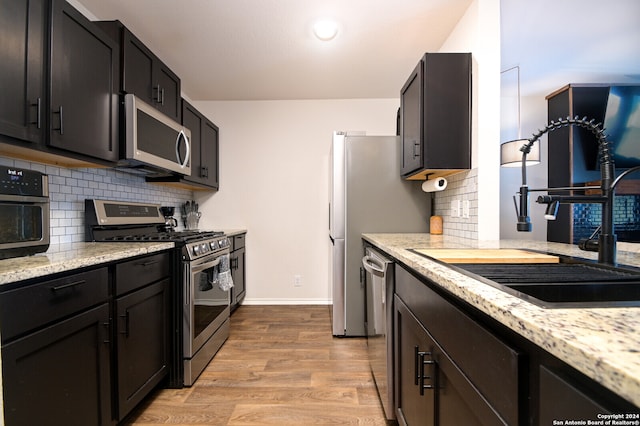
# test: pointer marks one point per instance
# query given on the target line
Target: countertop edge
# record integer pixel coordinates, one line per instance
(600, 343)
(67, 257)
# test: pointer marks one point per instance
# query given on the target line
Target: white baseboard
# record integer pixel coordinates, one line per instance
(286, 302)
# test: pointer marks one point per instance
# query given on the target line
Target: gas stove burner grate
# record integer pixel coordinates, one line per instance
(183, 236)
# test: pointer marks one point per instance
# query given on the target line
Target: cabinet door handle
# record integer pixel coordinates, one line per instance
(68, 285)
(148, 263)
(156, 96)
(61, 128)
(422, 377)
(38, 106)
(162, 97)
(416, 369)
(106, 326)
(416, 152)
(126, 323)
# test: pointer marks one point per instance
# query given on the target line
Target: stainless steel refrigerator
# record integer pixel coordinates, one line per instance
(366, 195)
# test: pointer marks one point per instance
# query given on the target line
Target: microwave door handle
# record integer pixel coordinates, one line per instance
(188, 153)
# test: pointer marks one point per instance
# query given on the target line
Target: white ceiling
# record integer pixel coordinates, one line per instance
(264, 49)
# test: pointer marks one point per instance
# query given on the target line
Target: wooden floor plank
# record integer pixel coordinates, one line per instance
(280, 366)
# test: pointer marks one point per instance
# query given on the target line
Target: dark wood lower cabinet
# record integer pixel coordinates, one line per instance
(431, 388)
(455, 365)
(84, 348)
(238, 270)
(61, 374)
(142, 343)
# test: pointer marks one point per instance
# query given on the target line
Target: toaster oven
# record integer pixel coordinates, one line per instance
(24, 212)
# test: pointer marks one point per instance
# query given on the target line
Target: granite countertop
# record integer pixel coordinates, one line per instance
(602, 343)
(233, 232)
(66, 257)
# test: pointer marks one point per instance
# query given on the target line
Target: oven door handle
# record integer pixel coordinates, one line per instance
(206, 265)
(190, 270)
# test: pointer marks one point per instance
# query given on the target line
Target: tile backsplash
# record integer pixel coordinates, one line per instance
(626, 211)
(68, 188)
(464, 187)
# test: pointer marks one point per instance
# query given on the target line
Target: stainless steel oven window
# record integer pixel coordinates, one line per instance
(205, 304)
(20, 223)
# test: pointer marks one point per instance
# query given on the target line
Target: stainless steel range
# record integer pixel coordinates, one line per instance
(200, 297)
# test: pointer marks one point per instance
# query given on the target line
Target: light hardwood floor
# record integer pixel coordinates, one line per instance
(280, 366)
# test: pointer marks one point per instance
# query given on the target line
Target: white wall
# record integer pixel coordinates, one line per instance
(274, 167)
(274, 182)
(534, 115)
(479, 32)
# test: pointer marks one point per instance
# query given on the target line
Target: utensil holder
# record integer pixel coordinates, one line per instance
(191, 220)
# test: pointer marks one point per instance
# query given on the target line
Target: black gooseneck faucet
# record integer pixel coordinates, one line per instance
(607, 238)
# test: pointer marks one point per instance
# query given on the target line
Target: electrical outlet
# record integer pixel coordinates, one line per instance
(297, 280)
(455, 208)
(465, 209)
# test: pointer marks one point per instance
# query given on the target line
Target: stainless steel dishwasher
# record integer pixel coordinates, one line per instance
(379, 286)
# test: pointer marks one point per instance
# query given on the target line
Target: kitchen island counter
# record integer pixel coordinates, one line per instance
(67, 257)
(602, 343)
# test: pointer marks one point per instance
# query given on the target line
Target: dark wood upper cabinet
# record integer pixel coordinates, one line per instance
(59, 89)
(84, 101)
(204, 147)
(435, 117)
(143, 73)
(23, 42)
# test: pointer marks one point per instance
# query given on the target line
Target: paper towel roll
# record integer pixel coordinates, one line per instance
(433, 185)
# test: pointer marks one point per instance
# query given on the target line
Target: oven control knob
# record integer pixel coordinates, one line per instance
(196, 250)
(204, 248)
(212, 244)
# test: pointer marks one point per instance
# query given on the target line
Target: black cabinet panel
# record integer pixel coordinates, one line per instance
(142, 318)
(143, 73)
(204, 147)
(137, 273)
(210, 154)
(489, 363)
(60, 375)
(238, 270)
(435, 116)
(29, 307)
(84, 105)
(137, 68)
(79, 353)
(560, 399)
(23, 41)
(411, 339)
(477, 376)
(168, 90)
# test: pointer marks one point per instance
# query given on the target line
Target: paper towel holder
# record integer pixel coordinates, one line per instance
(434, 185)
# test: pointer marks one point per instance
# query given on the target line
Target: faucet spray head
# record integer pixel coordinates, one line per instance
(524, 222)
(551, 213)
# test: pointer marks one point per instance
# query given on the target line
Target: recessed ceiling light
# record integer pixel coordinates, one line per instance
(325, 29)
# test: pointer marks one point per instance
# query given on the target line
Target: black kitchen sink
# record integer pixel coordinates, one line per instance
(562, 285)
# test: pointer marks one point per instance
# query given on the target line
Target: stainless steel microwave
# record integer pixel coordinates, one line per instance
(154, 141)
(24, 212)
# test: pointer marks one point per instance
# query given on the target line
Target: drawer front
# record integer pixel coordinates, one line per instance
(139, 272)
(491, 365)
(30, 307)
(238, 242)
